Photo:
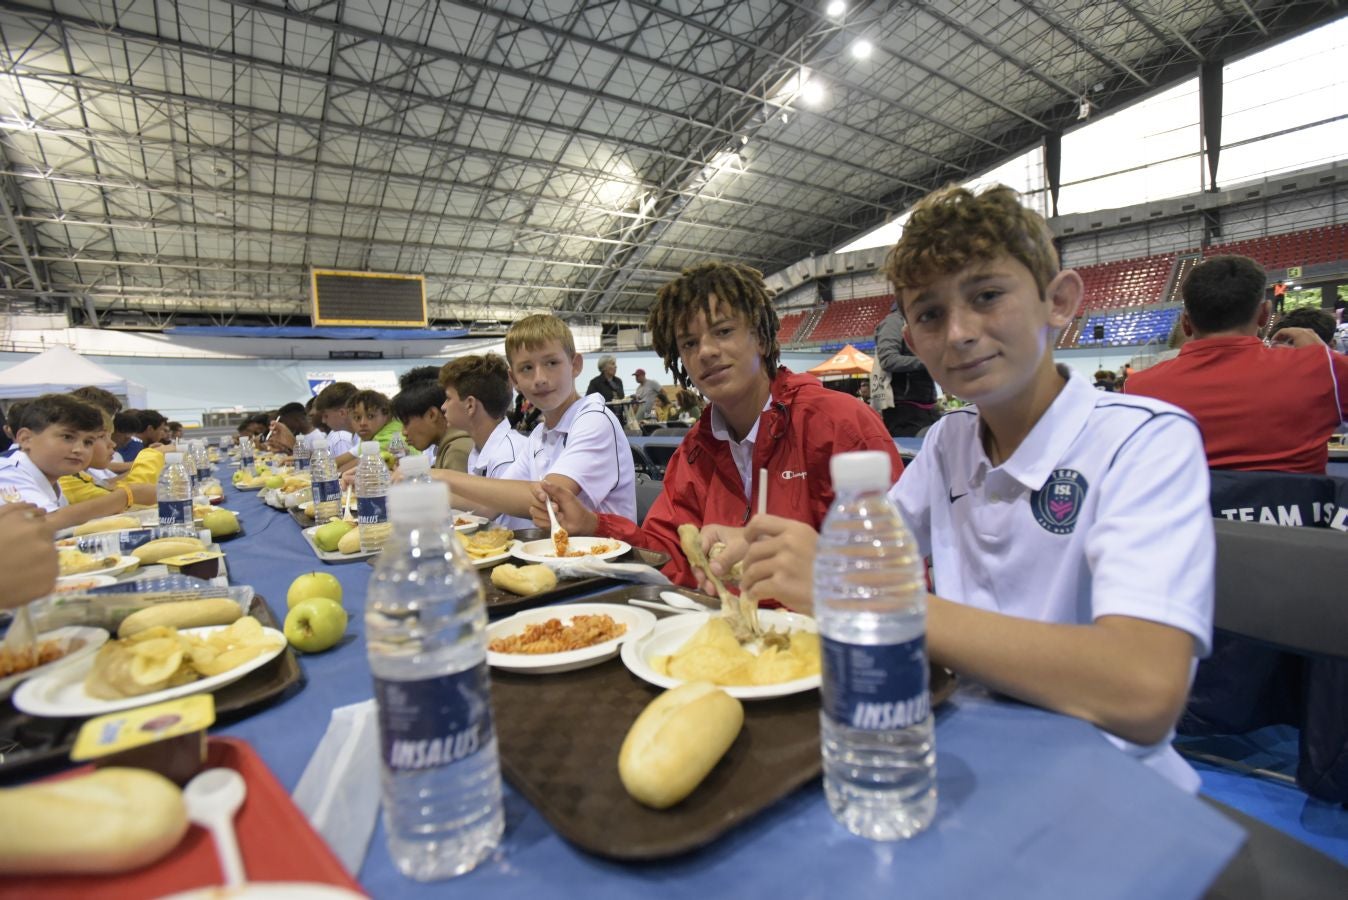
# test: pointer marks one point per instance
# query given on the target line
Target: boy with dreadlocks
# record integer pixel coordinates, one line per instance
(715, 328)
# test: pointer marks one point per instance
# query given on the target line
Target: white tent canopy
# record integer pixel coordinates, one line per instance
(60, 370)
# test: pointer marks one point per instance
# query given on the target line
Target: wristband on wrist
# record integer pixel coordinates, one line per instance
(130, 498)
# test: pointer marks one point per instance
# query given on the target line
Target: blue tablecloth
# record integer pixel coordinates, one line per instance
(1032, 804)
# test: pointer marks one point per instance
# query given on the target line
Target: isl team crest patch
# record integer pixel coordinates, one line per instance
(1057, 504)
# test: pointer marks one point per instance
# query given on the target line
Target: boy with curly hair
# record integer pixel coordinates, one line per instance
(1068, 529)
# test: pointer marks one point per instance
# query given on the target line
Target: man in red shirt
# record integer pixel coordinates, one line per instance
(1260, 408)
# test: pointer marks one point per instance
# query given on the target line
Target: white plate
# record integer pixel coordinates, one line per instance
(61, 694)
(638, 622)
(483, 562)
(671, 633)
(543, 551)
(333, 556)
(124, 564)
(83, 582)
(466, 521)
(93, 639)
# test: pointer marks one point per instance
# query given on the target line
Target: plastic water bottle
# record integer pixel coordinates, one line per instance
(325, 487)
(302, 453)
(372, 481)
(397, 446)
(246, 454)
(196, 458)
(425, 629)
(415, 469)
(870, 595)
(174, 492)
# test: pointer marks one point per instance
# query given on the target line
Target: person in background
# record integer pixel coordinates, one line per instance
(1047, 587)
(57, 435)
(1318, 320)
(1104, 381)
(864, 392)
(291, 426)
(579, 446)
(126, 427)
(607, 384)
(715, 328)
(372, 417)
(331, 404)
(27, 554)
(97, 396)
(663, 410)
(690, 404)
(253, 430)
(175, 432)
(419, 407)
(1261, 408)
(912, 390)
(96, 481)
(647, 390)
(477, 395)
(13, 416)
(316, 420)
(154, 428)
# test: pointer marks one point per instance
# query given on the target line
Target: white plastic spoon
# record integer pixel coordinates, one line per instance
(674, 598)
(212, 798)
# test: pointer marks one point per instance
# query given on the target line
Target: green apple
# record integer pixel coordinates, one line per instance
(274, 481)
(313, 584)
(315, 624)
(220, 523)
(328, 536)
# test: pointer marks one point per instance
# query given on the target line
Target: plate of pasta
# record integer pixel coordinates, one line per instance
(561, 638)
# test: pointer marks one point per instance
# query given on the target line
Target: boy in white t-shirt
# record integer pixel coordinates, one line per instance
(1069, 532)
(579, 445)
(57, 437)
(477, 396)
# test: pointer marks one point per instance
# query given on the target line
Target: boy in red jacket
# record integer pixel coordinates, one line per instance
(715, 329)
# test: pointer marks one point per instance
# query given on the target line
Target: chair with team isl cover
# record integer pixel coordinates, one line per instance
(1271, 579)
(1281, 587)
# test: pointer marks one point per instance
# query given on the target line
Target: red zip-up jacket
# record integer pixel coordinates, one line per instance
(804, 427)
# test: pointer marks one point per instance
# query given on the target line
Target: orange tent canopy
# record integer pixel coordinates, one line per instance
(847, 361)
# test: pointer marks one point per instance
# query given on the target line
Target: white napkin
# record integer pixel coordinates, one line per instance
(591, 567)
(339, 790)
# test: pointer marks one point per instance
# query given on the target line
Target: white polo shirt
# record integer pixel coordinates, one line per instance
(340, 442)
(504, 446)
(589, 447)
(1102, 510)
(19, 473)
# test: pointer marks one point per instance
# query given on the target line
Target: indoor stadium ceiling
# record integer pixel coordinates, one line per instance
(166, 157)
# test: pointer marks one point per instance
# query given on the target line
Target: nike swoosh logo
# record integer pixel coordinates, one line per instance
(954, 496)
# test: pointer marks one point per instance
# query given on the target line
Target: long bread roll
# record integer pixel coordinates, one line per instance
(181, 614)
(162, 548)
(111, 820)
(676, 742)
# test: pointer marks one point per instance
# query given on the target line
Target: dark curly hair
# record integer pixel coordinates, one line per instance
(952, 227)
(739, 287)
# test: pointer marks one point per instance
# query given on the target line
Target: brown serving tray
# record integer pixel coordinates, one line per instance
(559, 737)
(29, 744)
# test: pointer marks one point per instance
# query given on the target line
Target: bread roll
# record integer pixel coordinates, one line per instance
(676, 742)
(181, 614)
(111, 820)
(524, 580)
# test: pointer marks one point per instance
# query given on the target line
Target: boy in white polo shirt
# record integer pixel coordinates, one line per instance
(57, 437)
(579, 445)
(1069, 528)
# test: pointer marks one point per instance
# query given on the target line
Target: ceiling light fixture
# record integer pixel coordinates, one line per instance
(812, 92)
(836, 9)
(862, 48)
